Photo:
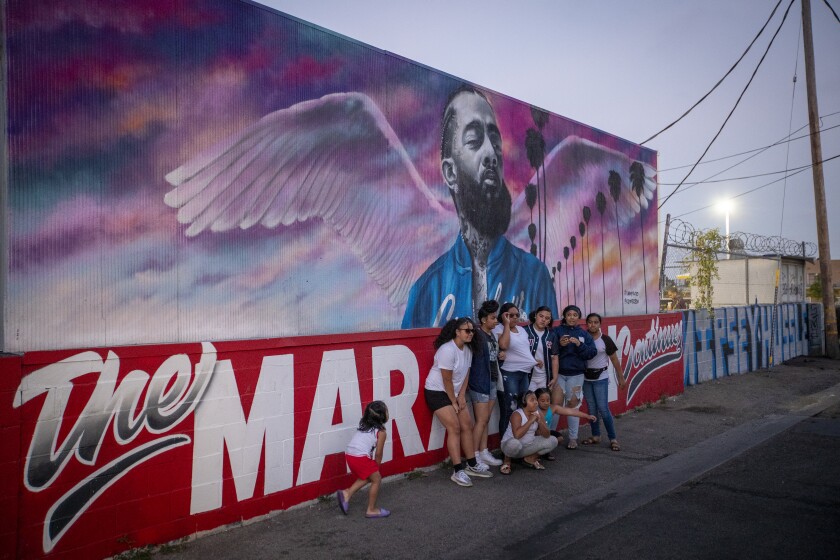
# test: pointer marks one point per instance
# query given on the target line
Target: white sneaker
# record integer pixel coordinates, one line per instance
(460, 478)
(480, 470)
(488, 459)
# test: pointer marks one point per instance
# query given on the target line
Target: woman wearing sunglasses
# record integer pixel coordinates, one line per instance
(518, 362)
(445, 392)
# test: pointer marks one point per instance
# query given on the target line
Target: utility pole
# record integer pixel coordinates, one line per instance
(832, 349)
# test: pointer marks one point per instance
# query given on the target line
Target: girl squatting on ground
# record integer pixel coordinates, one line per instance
(527, 436)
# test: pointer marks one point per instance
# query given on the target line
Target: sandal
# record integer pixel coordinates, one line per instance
(505, 469)
(536, 465)
(549, 457)
(572, 444)
(614, 445)
(591, 441)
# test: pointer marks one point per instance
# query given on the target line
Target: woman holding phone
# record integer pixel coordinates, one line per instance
(574, 347)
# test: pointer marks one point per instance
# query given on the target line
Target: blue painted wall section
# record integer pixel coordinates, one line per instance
(738, 339)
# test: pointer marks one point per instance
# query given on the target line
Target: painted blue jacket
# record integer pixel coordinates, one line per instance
(444, 291)
(572, 357)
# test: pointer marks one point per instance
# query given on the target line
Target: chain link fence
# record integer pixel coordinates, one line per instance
(748, 265)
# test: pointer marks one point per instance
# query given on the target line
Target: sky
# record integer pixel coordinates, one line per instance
(630, 69)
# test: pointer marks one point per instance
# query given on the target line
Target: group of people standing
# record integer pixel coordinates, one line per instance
(535, 372)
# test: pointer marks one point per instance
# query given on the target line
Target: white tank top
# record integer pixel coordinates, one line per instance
(528, 436)
(363, 444)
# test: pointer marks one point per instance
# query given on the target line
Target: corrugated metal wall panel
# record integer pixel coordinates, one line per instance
(101, 113)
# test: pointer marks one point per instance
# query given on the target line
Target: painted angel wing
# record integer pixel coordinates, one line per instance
(334, 158)
(575, 172)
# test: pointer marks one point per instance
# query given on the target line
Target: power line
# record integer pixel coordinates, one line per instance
(832, 10)
(751, 190)
(784, 140)
(722, 171)
(737, 102)
(740, 195)
(760, 31)
(810, 165)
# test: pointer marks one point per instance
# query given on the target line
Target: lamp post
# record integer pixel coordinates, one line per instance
(726, 207)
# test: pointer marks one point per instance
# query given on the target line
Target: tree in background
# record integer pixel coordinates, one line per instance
(814, 291)
(706, 246)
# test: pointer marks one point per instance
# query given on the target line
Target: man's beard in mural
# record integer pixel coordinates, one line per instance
(485, 208)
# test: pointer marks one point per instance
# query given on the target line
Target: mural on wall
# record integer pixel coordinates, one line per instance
(740, 339)
(122, 447)
(650, 352)
(200, 170)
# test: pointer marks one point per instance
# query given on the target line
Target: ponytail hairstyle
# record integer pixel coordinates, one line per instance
(487, 308)
(542, 391)
(375, 416)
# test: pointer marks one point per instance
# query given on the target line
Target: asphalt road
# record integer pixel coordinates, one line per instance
(742, 467)
(780, 499)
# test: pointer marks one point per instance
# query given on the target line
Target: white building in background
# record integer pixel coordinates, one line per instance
(746, 280)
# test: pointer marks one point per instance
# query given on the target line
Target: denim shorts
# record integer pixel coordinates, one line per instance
(477, 397)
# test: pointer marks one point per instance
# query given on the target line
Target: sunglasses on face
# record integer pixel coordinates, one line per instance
(470, 331)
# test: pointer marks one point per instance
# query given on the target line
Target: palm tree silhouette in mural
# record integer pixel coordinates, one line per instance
(560, 291)
(614, 181)
(582, 230)
(601, 205)
(637, 184)
(573, 243)
(535, 149)
(531, 199)
(587, 215)
(566, 258)
(532, 233)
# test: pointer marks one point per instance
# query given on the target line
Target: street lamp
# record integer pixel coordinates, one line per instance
(726, 206)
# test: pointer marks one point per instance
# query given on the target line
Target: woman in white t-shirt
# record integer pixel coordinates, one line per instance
(518, 361)
(445, 392)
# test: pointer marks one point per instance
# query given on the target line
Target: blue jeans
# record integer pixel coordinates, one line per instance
(597, 399)
(572, 386)
(516, 385)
